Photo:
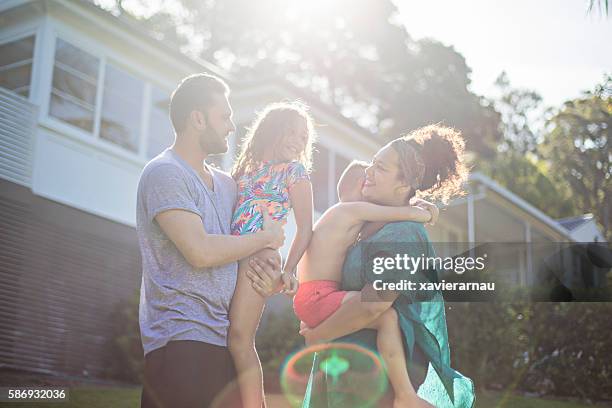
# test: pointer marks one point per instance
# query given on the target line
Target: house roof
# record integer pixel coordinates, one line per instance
(572, 223)
(519, 202)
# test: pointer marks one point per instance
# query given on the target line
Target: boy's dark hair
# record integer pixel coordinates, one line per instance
(194, 92)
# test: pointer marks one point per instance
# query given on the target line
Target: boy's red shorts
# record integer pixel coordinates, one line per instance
(316, 300)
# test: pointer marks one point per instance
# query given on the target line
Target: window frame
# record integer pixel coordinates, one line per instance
(106, 57)
(20, 35)
(333, 153)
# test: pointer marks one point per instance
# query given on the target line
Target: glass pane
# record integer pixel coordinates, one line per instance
(16, 65)
(73, 96)
(123, 84)
(75, 87)
(77, 59)
(17, 79)
(121, 108)
(16, 51)
(319, 178)
(71, 112)
(161, 134)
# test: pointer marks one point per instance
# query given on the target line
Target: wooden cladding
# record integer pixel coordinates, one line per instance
(62, 273)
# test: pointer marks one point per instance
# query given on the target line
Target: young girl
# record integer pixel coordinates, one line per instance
(272, 172)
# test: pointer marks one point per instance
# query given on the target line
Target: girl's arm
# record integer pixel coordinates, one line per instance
(369, 212)
(300, 195)
(354, 314)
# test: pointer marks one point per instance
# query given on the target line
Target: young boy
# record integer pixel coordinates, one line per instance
(320, 271)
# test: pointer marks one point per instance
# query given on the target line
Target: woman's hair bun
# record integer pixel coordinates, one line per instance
(441, 150)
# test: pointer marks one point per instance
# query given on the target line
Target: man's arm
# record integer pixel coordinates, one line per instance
(364, 212)
(186, 230)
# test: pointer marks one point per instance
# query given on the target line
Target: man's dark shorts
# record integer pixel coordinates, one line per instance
(189, 374)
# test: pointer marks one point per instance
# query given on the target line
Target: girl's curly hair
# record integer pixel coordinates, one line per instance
(268, 130)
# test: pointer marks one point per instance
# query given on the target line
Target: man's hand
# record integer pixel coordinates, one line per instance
(431, 207)
(273, 228)
(265, 276)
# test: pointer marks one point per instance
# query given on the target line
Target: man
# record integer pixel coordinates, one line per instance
(184, 208)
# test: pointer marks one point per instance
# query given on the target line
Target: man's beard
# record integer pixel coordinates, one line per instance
(211, 142)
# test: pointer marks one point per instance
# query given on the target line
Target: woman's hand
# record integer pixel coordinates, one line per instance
(310, 335)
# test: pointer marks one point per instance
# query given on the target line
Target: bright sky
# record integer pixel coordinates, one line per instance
(551, 46)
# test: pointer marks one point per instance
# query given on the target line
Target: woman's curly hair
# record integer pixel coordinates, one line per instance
(431, 160)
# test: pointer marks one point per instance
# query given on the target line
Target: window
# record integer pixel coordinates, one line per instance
(75, 81)
(340, 164)
(108, 102)
(16, 65)
(161, 133)
(121, 108)
(320, 179)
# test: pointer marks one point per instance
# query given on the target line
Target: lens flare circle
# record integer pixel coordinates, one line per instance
(343, 373)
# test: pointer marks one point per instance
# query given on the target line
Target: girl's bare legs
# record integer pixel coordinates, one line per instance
(391, 348)
(245, 312)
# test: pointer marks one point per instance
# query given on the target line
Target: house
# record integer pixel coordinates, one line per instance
(583, 228)
(83, 107)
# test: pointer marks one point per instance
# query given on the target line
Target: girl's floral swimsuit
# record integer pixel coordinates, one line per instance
(269, 185)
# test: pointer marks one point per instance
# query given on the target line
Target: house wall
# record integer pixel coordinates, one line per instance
(63, 273)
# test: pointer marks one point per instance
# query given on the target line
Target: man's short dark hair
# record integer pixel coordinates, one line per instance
(194, 92)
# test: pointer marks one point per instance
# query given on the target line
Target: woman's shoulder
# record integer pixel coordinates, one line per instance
(404, 231)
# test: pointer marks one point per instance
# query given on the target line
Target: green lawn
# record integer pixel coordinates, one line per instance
(490, 400)
(101, 397)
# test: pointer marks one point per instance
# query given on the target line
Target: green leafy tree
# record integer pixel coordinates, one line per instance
(519, 109)
(577, 146)
(518, 164)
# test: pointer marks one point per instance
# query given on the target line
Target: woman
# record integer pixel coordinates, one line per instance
(429, 160)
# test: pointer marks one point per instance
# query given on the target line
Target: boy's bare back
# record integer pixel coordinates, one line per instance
(333, 234)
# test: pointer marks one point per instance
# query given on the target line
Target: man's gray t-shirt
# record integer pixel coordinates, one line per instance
(177, 300)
